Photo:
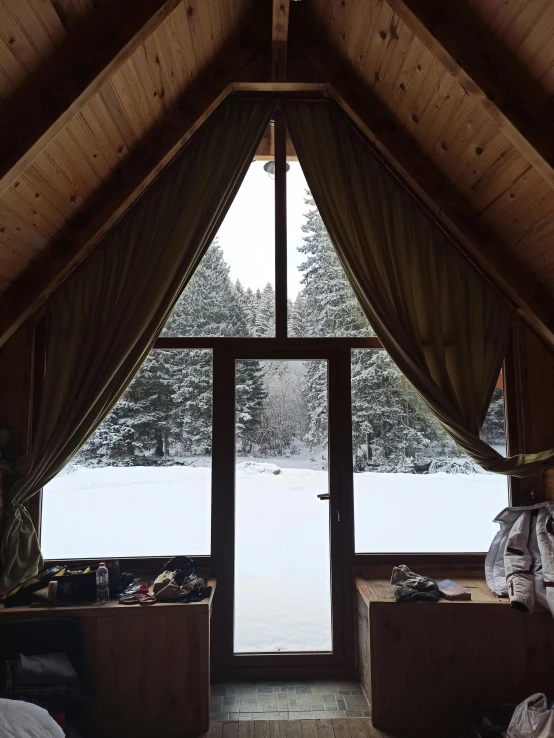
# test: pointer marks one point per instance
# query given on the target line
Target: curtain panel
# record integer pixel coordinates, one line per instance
(103, 320)
(444, 325)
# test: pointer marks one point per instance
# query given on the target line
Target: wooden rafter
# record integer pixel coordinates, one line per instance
(470, 64)
(27, 295)
(279, 38)
(71, 77)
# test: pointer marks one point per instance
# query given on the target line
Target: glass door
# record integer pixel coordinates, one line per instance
(282, 531)
(281, 527)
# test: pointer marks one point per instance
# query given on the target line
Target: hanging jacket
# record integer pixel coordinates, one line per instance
(520, 561)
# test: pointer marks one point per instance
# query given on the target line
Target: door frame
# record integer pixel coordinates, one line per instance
(341, 659)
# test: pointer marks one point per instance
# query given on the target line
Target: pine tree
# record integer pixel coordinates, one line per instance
(390, 422)
(265, 317)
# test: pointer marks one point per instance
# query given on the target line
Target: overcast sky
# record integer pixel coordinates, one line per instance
(247, 235)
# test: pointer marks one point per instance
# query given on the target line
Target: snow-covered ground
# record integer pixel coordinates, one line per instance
(282, 531)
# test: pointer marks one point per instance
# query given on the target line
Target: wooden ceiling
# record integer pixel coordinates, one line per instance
(97, 95)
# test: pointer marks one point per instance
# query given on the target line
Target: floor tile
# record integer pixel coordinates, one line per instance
(295, 700)
(356, 702)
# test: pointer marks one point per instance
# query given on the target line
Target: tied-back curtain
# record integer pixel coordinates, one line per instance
(443, 324)
(102, 322)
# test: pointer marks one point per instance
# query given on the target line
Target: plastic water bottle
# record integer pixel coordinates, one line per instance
(102, 584)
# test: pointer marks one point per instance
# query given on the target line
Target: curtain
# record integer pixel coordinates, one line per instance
(102, 322)
(443, 324)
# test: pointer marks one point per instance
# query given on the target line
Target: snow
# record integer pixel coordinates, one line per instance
(282, 531)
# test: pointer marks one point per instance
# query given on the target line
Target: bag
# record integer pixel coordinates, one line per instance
(532, 719)
(170, 586)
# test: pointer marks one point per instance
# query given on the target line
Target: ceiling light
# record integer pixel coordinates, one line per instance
(269, 167)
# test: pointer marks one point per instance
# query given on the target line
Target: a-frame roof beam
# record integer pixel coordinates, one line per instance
(471, 64)
(279, 38)
(27, 295)
(89, 58)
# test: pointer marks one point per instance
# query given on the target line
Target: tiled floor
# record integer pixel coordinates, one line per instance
(288, 701)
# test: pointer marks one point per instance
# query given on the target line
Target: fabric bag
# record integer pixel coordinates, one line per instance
(532, 719)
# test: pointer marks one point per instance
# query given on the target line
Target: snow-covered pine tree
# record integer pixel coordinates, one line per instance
(265, 317)
(390, 422)
(167, 409)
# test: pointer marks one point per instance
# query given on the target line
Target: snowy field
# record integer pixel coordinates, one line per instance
(282, 540)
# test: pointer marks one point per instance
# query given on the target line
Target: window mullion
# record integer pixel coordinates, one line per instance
(280, 226)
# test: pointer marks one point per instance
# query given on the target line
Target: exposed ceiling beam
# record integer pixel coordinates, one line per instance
(27, 295)
(445, 34)
(88, 58)
(279, 86)
(440, 198)
(279, 38)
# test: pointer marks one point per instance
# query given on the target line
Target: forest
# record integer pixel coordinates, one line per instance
(165, 415)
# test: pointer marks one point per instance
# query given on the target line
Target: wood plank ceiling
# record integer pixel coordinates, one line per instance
(506, 193)
(76, 176)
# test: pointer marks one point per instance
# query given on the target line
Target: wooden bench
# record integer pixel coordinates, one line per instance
(424, 665)
(149, 665)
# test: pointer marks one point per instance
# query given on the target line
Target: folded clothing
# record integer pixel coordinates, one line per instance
(48, 669)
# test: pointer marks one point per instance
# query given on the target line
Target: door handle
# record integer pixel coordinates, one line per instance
(324, 496)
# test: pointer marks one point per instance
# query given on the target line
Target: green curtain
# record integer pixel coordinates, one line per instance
(444, 325)
(102, 322)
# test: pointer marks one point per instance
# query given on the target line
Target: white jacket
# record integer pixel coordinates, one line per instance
(520, 561)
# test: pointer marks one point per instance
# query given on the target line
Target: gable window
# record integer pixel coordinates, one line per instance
(268, 431)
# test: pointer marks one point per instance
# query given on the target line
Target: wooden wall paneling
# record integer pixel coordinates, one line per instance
(138, 92)
(102, 120)
(183, 31)
(405, 76)
(166, 60)
(433, 89)
(495, 187)
(180, 48)
(484, 77)
(209, 90)
(153, 90)
(370, 57)
(20, 199)
(476, 145)
(201, 48)
(93, 143)
(65, 174)
(50, 20)
(21, 227)
(161, 95)
(16, 253)
(135, 114)
(80, 68)
(399, 49)
(517, 190)
(13, 33)
(24, 13)
(115, 109)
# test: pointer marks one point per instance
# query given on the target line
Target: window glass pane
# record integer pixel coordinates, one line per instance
(280, 524)
(141, 486)
(414, 489)
(232, 291)
(321, 300)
